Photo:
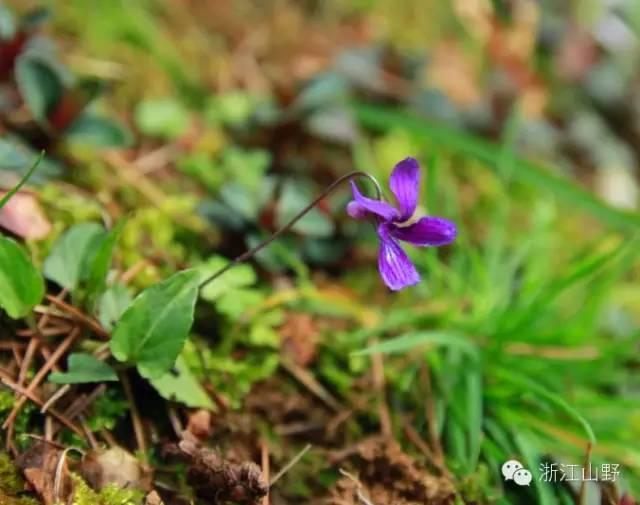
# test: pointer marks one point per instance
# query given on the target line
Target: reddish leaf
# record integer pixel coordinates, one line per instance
(9, 51)
(23, 216)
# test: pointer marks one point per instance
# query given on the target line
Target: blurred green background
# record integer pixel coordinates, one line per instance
(216, 121)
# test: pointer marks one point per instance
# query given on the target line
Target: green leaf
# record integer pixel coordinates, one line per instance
(233, 108)
(410, 341)
(8, 26)
(239, 276)
(82, 368)
(98, 131)
(182, 386)
(113, 302)
(39, 84)
(70, 257)
(99, 265)
(525, 171)
(153, 330)
(25, 178)
(165, 118)
(21, 285)
(237, 301)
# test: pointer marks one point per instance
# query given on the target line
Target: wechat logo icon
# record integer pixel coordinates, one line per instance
(515, 471)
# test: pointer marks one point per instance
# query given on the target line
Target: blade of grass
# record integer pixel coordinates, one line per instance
(474, 413)
(531, 457)
(409, 341)
(581, 271)
(25, 178)
(533, 387)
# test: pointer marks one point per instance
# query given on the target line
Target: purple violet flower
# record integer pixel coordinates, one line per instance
(395, 224)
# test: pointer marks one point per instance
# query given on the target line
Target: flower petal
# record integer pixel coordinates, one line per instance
(427, 231)
(405, 183)
(361, 206)
(394, 265)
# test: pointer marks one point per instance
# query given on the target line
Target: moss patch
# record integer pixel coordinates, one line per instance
(11, 484)
(109, 495)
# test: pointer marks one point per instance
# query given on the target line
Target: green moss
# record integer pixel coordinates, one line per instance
(107, 410)
(11, 500)
(109, 495)
(11, 484)
(21, 424)
(10, 480)
(6, 400)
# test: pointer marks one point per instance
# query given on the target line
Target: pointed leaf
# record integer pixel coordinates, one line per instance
(21, 285)
(153, 330)
(83, 368)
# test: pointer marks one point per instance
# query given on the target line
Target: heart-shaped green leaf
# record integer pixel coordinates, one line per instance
(21, 285)
(84, 368)
(154, 328)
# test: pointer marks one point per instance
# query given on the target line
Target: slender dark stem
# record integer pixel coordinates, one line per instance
(251, 252)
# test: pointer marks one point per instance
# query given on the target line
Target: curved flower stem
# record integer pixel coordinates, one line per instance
(251, 252)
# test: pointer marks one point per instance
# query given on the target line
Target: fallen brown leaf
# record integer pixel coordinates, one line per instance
(114, 466)
(45, 469)
(299, 338)
(153, 498)
(199, 424)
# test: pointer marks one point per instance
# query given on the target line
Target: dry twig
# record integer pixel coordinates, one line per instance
(79, 316)
(264, 450)
(290, 465)
(310, 382)
(138, 427)
(40, 375)
(35, 399)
